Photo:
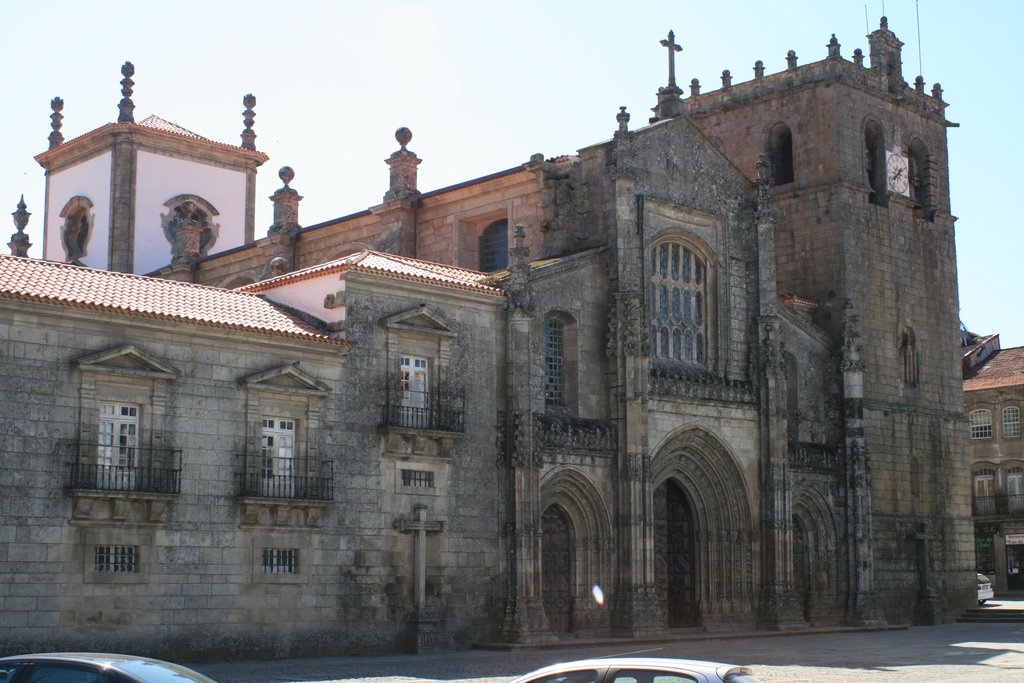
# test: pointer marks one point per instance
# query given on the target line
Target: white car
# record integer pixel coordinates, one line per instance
(639, 670)
(984, 589)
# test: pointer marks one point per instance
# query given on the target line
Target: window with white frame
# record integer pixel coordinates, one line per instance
(679, 315)
(280, 561)
(1015, 481)
(1011, 422)
(981, 423)
(115, 559)
(277, 457)
(554, 362)
(413, 380)
(117, 453)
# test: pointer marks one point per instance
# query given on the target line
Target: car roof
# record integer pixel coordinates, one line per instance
(133, 665)
(696, 665)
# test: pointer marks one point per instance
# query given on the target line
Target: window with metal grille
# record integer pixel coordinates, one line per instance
(679, 313)
(280, 561)
(554, 362)
(1011, 422)
(981, 424)
(115, 559)
(420, 479)
(494, 247)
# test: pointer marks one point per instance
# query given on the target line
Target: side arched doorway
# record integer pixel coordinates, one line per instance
(556, 568)
(675, 551)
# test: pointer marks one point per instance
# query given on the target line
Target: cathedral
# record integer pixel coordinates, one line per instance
(702, 375)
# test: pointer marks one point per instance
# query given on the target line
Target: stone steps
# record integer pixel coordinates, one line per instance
(992, 615)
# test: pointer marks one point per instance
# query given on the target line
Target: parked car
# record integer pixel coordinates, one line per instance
(91, 667)
(984, 589)
(639, 670)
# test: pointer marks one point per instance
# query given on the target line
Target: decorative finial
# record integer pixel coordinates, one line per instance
(791, 59)
(56, 138)
(858, 57)
(919, 84)
(404, 137)
(248, 117)
(833, 47)
(19, 244)
(286, 205)
(726, 79)
(126, 106)
(286, 174)
(758, 69)
(623, 118)
(883, 23)
(673, 48)
(937, 91)
(694, 87)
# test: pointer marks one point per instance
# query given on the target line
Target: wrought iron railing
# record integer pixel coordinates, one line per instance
(143, 470)
(984, 505)
(259, 479)
(442, 409)
(1015, 503)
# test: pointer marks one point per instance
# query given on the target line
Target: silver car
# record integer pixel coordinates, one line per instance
(639, 670)
(92, 667)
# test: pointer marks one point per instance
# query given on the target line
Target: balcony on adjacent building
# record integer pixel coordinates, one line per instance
(999, 504)
(99, 467)
(441, 409)
(263, 477)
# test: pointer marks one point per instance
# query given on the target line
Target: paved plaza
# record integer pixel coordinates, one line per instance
(956, 652)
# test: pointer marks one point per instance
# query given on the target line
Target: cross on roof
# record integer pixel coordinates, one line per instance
(673, 48)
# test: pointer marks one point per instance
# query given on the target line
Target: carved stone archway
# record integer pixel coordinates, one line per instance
(719, 500)
(587, 514)
(814, 534)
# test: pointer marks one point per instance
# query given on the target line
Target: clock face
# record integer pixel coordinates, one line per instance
(898, 174)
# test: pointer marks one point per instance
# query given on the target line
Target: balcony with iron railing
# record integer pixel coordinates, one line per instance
(441, 409)
(263, 477)
(999, 504)
(99, 467)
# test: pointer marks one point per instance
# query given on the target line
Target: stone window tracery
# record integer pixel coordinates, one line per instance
(908, 356)
(679, 313)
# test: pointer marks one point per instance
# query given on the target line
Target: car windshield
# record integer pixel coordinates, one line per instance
(164, 672)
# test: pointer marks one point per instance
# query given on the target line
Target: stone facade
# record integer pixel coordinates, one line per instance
(716, 391)
(993, 399)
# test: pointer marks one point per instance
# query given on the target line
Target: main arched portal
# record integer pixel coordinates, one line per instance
(703, 530)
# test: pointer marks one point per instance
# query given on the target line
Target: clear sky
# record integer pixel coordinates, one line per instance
(483, 85)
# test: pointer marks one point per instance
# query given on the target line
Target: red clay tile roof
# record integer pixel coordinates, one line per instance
(63, 284)
(388, 265)
(157, 124)
(1005, 368)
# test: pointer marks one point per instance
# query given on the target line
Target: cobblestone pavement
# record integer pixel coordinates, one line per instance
(952, 653)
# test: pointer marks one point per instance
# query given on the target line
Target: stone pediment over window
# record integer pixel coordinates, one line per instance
(128, 360)
(422, 319)
(288, 379)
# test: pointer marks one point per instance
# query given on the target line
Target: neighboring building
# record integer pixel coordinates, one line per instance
(706, 365)
(993, 400)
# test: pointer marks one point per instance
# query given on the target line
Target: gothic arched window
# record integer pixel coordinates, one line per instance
(554, 362)
(908, 355)
(679, 303)
(494, 247)
(874, 163)
(780, 154)
(920, 179)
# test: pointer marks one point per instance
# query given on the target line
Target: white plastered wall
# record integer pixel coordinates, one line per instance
(160, 178)
(308, 296)
(89, 179)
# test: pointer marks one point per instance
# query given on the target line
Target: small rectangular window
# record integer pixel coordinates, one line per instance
(116, 559)
(418, 479)
(280, 561)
